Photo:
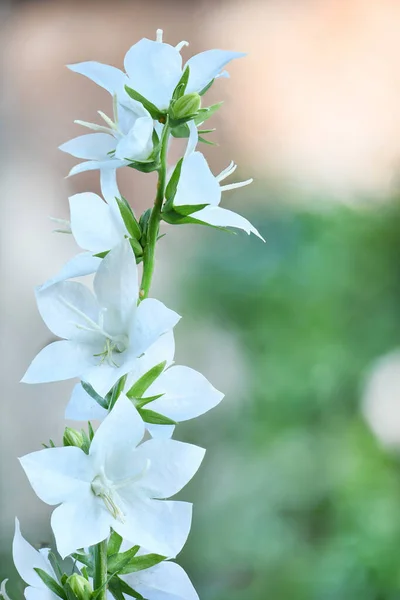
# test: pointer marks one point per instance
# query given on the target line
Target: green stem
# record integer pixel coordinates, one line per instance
(100, 569)
(155, 217)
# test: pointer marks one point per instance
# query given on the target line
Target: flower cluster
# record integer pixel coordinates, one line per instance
(112, 485)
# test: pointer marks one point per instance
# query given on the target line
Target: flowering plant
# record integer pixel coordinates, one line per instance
(114, 519)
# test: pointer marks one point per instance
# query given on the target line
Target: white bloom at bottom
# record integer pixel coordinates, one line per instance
(165, 581)
(26, 559)
(117, 485)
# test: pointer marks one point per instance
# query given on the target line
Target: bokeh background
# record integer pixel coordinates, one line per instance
(299, 495)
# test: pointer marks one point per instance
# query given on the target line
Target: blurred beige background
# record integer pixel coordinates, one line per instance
(313, 108)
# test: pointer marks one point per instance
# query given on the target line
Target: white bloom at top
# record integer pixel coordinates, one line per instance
(197, 186)
(153, 69)
(184, 393)
(165, 581)
(117, 485)
(26, 559)
(105, 332)
(125, 139)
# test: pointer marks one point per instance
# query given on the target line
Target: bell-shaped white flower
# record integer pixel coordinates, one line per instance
(127, 138)
(154, 68)
(198, 186)
(104, 333)
(165, 581)
(26, 560)
(117, 485)
(183, 392)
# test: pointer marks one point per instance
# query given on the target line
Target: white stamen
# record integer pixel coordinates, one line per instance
(115, 109)
(181, 45)
(3, 591)
(95, 127)
(93, 326)
(109, 121)
(233, 186)
(159, 35)
(231, 168)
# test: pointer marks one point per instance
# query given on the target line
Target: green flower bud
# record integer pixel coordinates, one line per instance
(72, 437)
(80, 587)
(186, 106)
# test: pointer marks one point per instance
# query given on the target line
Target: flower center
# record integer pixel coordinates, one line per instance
(116, 344)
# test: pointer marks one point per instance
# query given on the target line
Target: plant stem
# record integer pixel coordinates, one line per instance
(155, 217)
(100, 569)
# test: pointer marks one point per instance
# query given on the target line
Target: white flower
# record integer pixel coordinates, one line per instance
(125, 139)
(26, 559)
(185, 393)
(153, 69)
(197, 186)
(104, 334)
(165, 581)
(117, 485)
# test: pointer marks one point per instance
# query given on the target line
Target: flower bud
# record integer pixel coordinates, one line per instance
(79, 586)
(72, 437)
(186, 106)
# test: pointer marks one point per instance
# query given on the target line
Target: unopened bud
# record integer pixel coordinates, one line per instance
(186, 106)
(72, 437)
(79, 586)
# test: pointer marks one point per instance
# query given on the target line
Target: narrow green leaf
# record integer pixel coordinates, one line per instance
(83, 558)
(51, 583)
(174, 218)
(206, 88)
(86, 442)
(145, 166)
(114, 543)
(204, 131)
(91, 431)
(119, 586)
(129, 218)
(140, 402)
(101, 254)
(149, 416)
(189, 209)
(54, 563)
(136, 247)
(180, 89)
(118, 561)
(172, 186)
(206, 113)
(85, 573)
(139, 563)
(204, 141)
(155, 112)
(93, 394)
(145, 381)
(117, 390)
(180, 131)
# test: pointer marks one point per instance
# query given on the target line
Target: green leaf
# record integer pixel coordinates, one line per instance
(145, 166)
(91, 431)
(101, 254)
(149, 416)
(118, 561)
(114, 543)
(136, 247)
(180, 89)
(206, 113)
(139, 563)
(85, 573)
(93, 394)
(85, 445)
(155, 112)
(206, 88)
(116, 391)
(140, 402)
(172, 186)
(54, 563)
(204, 141)
(51, 583)
(189, 209)
(145, 381)
(180, 131)
(129, 218)
(82, 557)
(117, 586)
(174, 218)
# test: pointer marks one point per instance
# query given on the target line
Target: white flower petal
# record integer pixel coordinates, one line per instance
(58, 474)
(154, 70)
(153, 319)
(204, 67)
(93, 223)
(193, 138)
(82, 407)
(103, 376)
(165, 581)
(108, 77)
(160, 526)
(116, 285)
(137, 144)
(221, 217)
(80, 523)
(66, 308)
(82, 264)
(93, 165)
(32, 593)
(161, 432)
(197, 184)
(116, 438)
(56, 362)
(162, 350)
(91, 146)
(26, 559)
(110, 191)
(172, 465)
(187, 394)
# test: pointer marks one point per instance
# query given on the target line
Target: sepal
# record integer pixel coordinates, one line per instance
(118, 588)
(155, 112)
(51, 583)
(129, 219)
(145, 381)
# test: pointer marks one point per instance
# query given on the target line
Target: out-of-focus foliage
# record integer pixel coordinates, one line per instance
(297, 500)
